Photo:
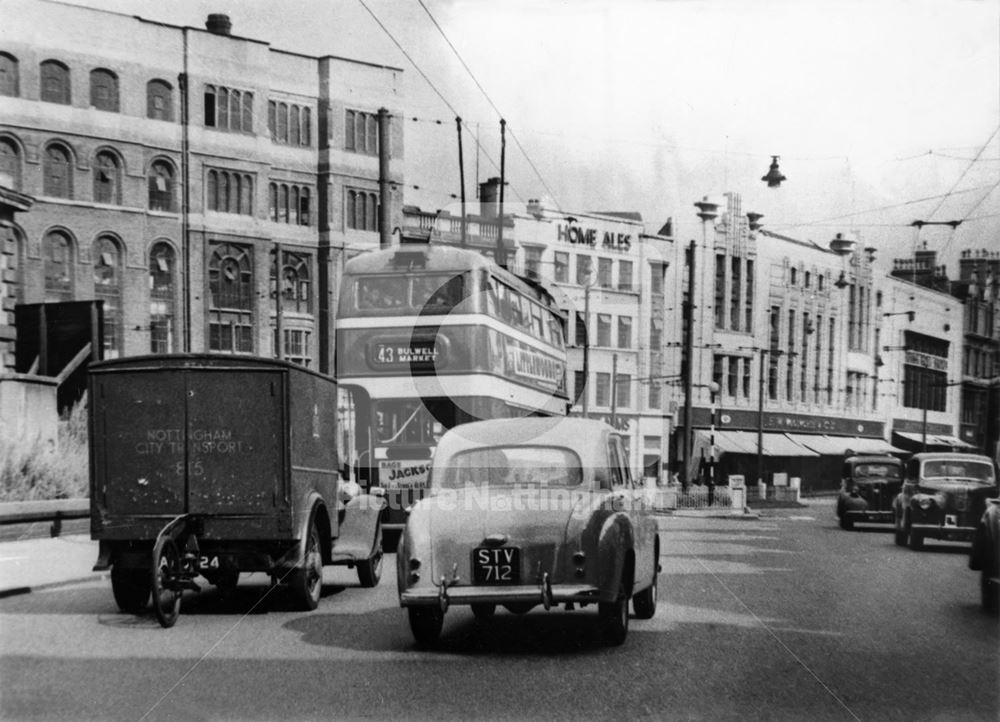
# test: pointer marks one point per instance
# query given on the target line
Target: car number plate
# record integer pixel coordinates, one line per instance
(496, 565)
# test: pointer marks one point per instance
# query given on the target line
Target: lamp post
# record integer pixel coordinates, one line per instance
(713, 389)
(707, 211)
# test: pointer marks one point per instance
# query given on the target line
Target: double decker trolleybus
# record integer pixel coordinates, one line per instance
(432, 336)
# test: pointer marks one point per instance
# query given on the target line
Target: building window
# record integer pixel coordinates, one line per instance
(604, 329)
(159, 100)
(55, 86)
(748, 296)
(361, 132)
(162, 298)
(107, 288)
(533, 262)
(228, 109)
(10, 162)
(289, 203)
(230, 285)
(656, 335)
(720, 291)
(561, 260)
(362, 210)
(161, 186)
(296, 282)
(790, 358)
(107, 179)
(623, 391)
(104, 90)
(735, 288)
(624, 332)
(229, 192)
(602, 392)
(289, 124)
(655, 395)
(581, 330)
(579, 387)
(583, 266)
(297, 347)
(604, 272)
(57, 168)
(57, 257)
(624, 275)
(657, 271)
(9, 76)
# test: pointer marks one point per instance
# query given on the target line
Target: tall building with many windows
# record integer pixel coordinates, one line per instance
(204, 186)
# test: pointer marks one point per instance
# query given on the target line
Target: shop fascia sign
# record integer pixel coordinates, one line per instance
(594, 238)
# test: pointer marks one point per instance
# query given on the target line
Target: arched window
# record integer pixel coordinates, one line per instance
(283, 122)
(230, 284)
(57, 258)
(283, 203)
(57, 168)
(55, 82)
(107, 288)
(162, 298)
(10, 163)
(104, 90)
(161, 186)
(107, 179)
(272, 201)
(159, 100)
(9, 76)
(246, 196)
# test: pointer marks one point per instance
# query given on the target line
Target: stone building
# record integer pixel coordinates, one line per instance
(204, 186)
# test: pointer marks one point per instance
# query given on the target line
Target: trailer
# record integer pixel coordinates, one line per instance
(204, 465)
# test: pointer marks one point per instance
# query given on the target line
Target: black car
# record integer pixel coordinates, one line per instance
(868, 484)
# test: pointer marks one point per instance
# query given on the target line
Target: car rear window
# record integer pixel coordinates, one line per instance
(876, 471)
(958, 469)
(517, 466)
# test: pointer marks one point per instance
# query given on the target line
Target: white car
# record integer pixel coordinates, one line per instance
(529, 512)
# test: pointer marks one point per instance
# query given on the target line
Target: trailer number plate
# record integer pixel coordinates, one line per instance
(208, 562)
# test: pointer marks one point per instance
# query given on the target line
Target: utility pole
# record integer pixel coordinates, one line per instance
(687, 364)
(385, 202)
(501, 252)
(461, 179)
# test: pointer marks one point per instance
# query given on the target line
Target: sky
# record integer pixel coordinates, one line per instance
(882, 111)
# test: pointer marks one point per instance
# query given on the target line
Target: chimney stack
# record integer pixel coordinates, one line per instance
(219, 24)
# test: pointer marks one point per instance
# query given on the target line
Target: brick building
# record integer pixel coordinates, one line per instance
(171, 166)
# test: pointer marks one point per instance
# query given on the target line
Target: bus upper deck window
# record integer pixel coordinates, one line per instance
(381, 292)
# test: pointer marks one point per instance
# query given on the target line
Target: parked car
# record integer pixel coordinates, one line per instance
(529, 512)
(868, 485)
(985, 556)
(943, 497)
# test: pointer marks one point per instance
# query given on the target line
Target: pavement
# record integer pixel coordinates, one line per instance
(34, 564)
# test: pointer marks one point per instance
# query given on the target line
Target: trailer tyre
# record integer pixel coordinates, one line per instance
(131, 588)
(306, 581)
(370, 570)
(166, 574)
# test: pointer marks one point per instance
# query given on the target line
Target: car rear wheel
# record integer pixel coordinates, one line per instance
(306, 580)
(613, 619)
(426, 623)
(484, 611)
(916, 540)
(900, 533)
(644, 603)
(131, 588)
(519, 607)
(845, 522)
(989, 590)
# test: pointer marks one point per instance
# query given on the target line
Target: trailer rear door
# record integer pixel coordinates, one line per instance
(235, 441)
(201, 440)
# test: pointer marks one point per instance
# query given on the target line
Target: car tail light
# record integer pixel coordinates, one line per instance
(580, 561)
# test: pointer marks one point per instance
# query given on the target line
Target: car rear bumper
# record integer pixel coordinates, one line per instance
(944, 532)
(870, 515)
(557, 594)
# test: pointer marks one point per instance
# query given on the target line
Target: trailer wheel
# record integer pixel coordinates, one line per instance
(166, 573)
(370, 570)
(306, 581)
(131, 589)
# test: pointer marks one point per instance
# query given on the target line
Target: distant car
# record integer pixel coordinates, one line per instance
(868, 485)
(943, 497)
(985, 556)
(528, 512)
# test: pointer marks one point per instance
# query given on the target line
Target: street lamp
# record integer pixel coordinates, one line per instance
(707, 211)
(713, 389)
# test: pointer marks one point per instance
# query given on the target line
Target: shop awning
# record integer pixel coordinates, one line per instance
(862, 445)
(934, 439)
(825, 445)
(954, 441)
(745, 442)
